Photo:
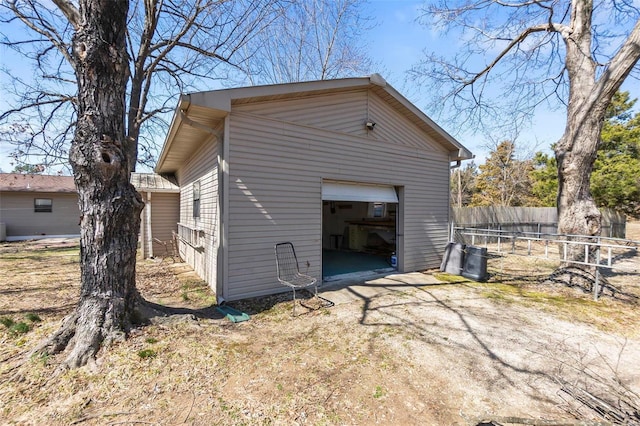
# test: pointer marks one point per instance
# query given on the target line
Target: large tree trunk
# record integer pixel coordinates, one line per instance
(110, 206)
(576, 154)
(589, 96)
(576, 150)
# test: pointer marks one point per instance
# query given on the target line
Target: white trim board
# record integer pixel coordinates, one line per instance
(346, 191)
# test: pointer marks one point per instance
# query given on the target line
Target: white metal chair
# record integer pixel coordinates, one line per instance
(289, 272)
(170, 249)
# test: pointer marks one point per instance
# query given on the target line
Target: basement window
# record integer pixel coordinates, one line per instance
(43, 205)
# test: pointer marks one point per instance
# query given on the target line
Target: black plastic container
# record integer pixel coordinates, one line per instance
(453, 259)
(475, 264)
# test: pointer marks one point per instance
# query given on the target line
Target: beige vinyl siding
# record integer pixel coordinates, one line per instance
(165, 215)
(392, 126)
(18, 214)
(276, 174)
(203, 167)
(344, 111)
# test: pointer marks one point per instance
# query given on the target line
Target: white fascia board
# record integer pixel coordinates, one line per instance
(221, 99)
(217, 100)
(176, 122)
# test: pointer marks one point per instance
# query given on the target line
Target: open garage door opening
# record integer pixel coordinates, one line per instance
(359, 230)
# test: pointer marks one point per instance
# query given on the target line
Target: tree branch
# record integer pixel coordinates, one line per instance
(619, 68)
(47, 31)
(519, 39)
(70, 11)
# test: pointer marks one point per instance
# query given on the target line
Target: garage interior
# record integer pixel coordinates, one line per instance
(358, 236)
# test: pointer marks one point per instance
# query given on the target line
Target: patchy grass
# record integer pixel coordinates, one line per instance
(523, 280)
(147, 353)
(380, 360)
(7, 322)
(379, 393)
(19, 328)
(30, 316)
(448, 278)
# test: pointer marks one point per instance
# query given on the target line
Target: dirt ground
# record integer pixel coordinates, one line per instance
(427, 349)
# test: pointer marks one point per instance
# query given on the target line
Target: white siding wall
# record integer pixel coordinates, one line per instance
(202, 166)
(343, 112)
(17, 213)
(390, 126)
(165, 214)
(276, 172)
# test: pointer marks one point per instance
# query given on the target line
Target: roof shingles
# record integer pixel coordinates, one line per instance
(15, 182)
(36, 183)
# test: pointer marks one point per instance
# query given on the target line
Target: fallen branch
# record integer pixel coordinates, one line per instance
(622, 413)
(498, 420)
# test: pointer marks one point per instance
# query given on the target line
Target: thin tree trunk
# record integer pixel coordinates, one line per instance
(110, 206)
(459, 188)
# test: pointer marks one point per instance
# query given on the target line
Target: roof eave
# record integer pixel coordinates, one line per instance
(176, 122)
(221, 101)
(221, 104)
(462, 154)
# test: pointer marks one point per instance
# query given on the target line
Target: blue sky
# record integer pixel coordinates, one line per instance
(395, 44)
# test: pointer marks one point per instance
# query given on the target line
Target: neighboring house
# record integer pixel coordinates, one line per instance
(348, 170)
(41, 206)
(38, 206)
(161, 211)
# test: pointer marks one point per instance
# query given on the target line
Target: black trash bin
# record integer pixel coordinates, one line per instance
(475, 264)
(453, 259)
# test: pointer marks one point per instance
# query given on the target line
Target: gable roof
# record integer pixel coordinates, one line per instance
(152, 182)
(200, 114)
(36, 183)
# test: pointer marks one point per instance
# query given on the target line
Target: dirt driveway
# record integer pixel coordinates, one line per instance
(417, 350)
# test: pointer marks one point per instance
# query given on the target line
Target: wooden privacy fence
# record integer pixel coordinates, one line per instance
(540, 220)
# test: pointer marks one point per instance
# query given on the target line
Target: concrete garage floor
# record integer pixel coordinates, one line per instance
(340, 262)
(349, 290)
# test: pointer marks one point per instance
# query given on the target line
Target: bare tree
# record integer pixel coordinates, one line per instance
(576, 52)
(171, 46)
(101, 68)
(174, 46)
(314, 40)
(100, 156)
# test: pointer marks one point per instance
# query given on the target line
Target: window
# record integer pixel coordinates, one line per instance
(196, 199)
(377, 209)
(43, 205)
